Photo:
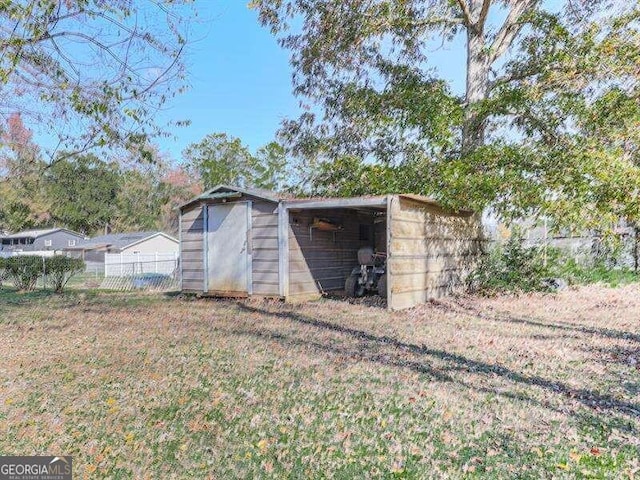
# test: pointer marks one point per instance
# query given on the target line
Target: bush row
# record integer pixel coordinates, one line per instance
(24, 271)
(516, 267)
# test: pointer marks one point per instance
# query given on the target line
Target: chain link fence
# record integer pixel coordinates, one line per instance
(125, 273)
(136, 272)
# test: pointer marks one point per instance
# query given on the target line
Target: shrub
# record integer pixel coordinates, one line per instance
(3, 274)
(60, 269)
(599, 272)
(513, 267)
(24, 271)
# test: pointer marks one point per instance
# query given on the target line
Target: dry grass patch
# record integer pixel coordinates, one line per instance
(158, 387)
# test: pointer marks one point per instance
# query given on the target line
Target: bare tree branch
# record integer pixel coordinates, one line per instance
(484, 12)
(98, 71)
(511, 27)
(466, 13)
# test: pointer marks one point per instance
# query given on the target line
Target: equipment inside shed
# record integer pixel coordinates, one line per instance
(324, 246)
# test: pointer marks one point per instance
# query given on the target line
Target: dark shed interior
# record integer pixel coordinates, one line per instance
(324, 243)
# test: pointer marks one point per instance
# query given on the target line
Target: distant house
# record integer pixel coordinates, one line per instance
(38, 241)
(94, 249)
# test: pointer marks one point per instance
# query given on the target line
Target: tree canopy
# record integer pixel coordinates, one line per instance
(547, 124)
(222, 159)
(85, 192)
(91, 73)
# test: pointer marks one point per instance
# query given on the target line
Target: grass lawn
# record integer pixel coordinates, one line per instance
(143, 386)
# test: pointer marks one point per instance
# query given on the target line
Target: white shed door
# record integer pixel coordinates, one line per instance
(228, 257)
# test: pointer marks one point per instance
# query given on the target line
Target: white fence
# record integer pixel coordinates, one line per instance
(36, 253)
(127, 265)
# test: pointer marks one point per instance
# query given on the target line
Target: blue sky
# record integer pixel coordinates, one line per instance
(240, 78)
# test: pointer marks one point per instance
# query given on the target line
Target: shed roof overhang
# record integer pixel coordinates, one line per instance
(379, 202)
(230, 191)
(354, 202)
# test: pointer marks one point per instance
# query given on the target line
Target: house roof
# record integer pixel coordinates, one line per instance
(120, 240)
(40, 233)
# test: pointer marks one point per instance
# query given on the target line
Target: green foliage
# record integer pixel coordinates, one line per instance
(83, 192)
(92, 73)
(138, 202)
(23, 271)
(350, 176)
(512, 267)
(222, 159)
(23, 202)
(515, 267)
(59, 269)
(270, 167)
(548, 124)
(218, 158)
(86, 193)
(576, 273)
(16, 215)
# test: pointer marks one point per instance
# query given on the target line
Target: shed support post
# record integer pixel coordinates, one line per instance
(389, 253)
(178, 258)
(205, 246)
(249, 248)
(283, 250)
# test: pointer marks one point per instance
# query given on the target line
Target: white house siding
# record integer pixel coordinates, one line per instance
(156, 244)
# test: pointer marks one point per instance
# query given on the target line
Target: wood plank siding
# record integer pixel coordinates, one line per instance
(432, 251)
(192, 248)
(263, 246)
(322, 260)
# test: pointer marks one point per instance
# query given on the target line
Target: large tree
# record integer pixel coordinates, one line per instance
(222, 159)
(91, 73)
(83, 193)
(23, 199)
(547, 124)
(149, 195)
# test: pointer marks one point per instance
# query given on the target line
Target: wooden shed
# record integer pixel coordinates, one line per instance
(241, 242)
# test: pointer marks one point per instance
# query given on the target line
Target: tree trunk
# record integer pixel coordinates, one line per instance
(473, 129)
(636, 238)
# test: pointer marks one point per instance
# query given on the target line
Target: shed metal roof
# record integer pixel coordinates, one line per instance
(254, 192)
(355, 202)
(350, 202)
(228, 191)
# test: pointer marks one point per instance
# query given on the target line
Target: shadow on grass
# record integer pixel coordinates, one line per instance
(370, 346)
(625, 356)
(496, 317)
(13, 302)
(12, 296)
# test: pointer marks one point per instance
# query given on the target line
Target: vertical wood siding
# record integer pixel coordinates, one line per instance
(432, 251)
